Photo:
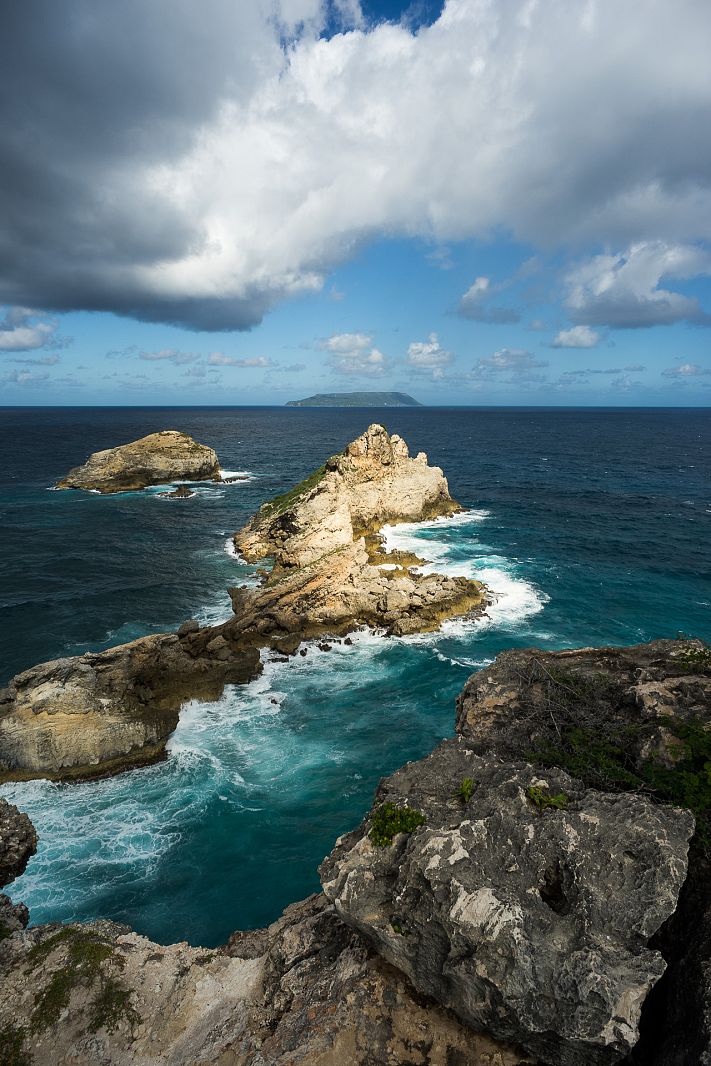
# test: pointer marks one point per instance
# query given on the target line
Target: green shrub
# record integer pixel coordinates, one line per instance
(388, 820)
(542, 799)
(466, 789)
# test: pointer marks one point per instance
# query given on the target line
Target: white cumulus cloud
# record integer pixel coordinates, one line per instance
(624, 290)
(576, 337)
(429, 356)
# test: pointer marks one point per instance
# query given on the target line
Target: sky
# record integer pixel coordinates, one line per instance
(475, 202)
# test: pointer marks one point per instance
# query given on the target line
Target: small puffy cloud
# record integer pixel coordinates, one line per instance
(291, 368)
(686, 371)
(624, 290)
(170, 355)
(354, 354)
(577, 337)
(41, 360)
(218, 359)
(25, 378)
(429, 356)
(23, 330)
(475, 305)
(515, 361)
(340, 343)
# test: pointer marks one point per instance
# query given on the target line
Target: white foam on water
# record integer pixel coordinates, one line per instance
(244, 475)
(516, 599)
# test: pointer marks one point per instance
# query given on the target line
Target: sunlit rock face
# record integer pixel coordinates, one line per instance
(152, 460)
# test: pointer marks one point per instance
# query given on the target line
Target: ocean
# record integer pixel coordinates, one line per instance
(593, 526)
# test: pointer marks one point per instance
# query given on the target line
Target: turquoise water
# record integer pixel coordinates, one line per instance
(592, 527)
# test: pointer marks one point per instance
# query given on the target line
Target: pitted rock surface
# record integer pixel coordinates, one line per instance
(531, 925)
(18, 842)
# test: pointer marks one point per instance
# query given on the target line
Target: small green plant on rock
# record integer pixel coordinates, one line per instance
(388, 820)
(466, 789)
(543, 800)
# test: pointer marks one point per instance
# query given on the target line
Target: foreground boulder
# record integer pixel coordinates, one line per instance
(523, 901)
(152, 460)
(532, 873)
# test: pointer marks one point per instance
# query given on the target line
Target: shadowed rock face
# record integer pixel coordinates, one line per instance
(530, 924)
(542, 908)
(306, 990)
(18, 843)
(152, 460)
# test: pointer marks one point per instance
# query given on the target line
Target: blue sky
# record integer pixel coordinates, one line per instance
(360, 197)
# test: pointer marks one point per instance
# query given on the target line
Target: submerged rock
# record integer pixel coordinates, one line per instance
(181, 493)
(152, 460)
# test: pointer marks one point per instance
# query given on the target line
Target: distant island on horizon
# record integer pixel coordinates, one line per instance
(356, 399)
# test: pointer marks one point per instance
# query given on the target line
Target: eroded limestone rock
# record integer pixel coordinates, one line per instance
(532, 923)
(152, 460)
(102, 713)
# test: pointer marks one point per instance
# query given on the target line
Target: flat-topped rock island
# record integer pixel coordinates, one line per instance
(153, 460)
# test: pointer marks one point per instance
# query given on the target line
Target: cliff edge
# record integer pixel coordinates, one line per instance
(527, 894)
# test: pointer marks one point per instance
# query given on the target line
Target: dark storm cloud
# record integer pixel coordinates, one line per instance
(92, 92)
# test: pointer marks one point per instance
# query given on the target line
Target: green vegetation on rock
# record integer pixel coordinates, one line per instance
(280, 504)
(543, 800)
(85, 956)
(12, 1039)
(466, 789)
(388, 820)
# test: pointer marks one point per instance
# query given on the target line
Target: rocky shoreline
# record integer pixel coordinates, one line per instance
(493, 909)
(106, 712)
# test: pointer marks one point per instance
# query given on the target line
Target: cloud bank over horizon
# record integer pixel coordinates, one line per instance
(199, 165)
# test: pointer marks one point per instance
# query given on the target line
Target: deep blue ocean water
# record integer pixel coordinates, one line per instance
(593, 526)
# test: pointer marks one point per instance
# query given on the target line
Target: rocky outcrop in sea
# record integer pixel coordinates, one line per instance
(108, 711)
(152, 460)
(533, 892)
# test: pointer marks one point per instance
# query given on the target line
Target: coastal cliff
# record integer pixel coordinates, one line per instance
(152, 460)
(110, 711)
(496, 907)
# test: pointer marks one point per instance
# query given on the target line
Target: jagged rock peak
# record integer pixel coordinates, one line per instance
(372, 482)
(153, 460)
